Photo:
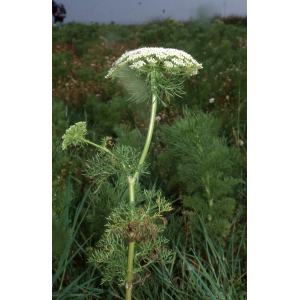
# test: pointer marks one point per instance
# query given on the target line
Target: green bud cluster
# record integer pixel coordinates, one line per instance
(75, 135)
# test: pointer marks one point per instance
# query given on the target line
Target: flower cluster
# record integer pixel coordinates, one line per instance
(74, 135)
(169, 61)
(137, 64)
(151, 60)
(168, 64)
(178, 62)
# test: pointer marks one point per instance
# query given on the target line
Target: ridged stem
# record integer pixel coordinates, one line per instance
(131, 182)
(129, 270)
(150, 129)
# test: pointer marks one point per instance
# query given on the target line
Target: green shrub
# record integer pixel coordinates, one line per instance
(202, 168)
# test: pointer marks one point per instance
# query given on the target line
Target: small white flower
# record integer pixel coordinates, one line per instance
(137, 64)
(151, 60)
(211, 100)
(241, 142)
(158, 118)
(178, 62)
(227, 97)
(93, 65)
(168, 64)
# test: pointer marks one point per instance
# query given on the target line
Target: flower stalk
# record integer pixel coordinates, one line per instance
(97, 146)
(132, 181)
(129, 271)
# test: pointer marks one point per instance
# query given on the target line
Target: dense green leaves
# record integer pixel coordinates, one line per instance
(202, 167)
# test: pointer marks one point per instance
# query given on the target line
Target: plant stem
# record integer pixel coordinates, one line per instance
(210, 200)
(150, 129)
(207, 188)
(129, 270)
(100, 147)
(131, 182)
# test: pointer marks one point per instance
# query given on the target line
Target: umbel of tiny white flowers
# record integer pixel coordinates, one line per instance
(168, 67)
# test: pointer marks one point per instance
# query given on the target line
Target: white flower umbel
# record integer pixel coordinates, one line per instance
(162, 59)
(168, 69)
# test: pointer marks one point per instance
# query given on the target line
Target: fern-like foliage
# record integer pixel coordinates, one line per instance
(122, 160)
(133, 223)
(204, 169)
(133, 138)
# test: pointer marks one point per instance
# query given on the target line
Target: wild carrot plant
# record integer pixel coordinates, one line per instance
(132, 241)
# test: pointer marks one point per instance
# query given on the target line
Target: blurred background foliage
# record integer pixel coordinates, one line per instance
(197, 157)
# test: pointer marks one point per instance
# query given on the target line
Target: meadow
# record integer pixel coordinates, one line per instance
(196, 160)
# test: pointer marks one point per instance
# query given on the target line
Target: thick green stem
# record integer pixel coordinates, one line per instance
(150, 129)
(131, 182)
(129, 270)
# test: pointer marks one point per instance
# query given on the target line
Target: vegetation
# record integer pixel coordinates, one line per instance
(196, 159)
